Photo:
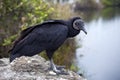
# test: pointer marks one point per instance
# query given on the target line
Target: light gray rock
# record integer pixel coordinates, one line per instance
(31, 68)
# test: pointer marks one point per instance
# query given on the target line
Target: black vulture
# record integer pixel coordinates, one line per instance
(48, 36)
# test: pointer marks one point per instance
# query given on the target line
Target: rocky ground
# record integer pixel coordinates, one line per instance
(32, 68)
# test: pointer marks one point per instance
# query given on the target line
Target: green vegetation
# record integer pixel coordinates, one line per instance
(110, 12)
(16, 15)
(29, 11)
(111, 2)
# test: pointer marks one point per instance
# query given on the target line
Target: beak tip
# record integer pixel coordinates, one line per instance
(85, 32)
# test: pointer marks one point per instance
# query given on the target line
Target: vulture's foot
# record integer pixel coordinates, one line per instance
(60, 67)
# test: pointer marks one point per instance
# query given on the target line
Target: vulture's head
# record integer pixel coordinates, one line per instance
(76, 26)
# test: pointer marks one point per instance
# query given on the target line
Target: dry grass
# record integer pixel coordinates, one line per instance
(62, 11)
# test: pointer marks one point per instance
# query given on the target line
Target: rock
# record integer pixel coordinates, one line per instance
(32, 68)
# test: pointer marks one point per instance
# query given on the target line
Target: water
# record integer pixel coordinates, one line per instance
(100, 48)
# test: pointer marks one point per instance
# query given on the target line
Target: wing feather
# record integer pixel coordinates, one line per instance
(27, 31)
(42, 36)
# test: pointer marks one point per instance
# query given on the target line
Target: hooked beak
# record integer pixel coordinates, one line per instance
(82, 27)
(84, 30)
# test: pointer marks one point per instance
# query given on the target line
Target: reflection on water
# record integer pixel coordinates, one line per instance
(101, 48)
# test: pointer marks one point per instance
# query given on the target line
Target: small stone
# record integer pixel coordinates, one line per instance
(29, 61)
(52, 73)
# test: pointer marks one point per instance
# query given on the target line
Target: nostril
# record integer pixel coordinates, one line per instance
(82, 23)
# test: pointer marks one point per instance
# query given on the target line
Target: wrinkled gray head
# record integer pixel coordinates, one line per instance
(78, 24)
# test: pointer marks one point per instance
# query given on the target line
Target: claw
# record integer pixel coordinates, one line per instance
(60, 72)
(60, 67)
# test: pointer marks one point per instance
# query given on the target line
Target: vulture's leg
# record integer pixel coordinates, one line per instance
(58, 69)
(53, 66)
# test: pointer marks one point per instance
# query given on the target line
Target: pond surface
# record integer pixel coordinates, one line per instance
(99, 55)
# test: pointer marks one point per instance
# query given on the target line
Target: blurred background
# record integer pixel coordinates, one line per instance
(95, 56)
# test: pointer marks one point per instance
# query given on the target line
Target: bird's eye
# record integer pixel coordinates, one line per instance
(76, 23)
